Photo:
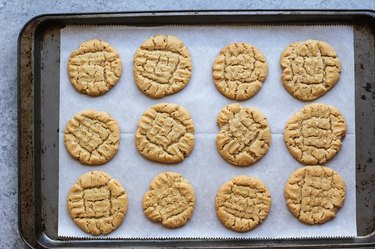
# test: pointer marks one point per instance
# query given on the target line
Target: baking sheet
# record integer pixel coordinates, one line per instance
(204, 168)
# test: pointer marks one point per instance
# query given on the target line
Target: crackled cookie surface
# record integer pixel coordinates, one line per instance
(239, 71)
(97, 204)
(243, 203)
(314, 194)
(310, 69)
(162, 66)
(165, 133)
(94, 68)
(92, 137)
(244, 135)
(170, 200)
(314, 134)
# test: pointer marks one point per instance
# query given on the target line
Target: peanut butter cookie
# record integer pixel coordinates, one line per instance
(97, 204)
(244, 135)
(239, 71)
(314, 194)
(162, 66)
(165, 133)
(243, 203)
(310, 69)
(170, 200)
(94, 68)
(314, 134)
(92, 137)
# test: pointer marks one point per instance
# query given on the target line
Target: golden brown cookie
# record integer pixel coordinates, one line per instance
(243, 203)
(170, 200)
(314, 194)
(162, 66)
(310, 69)
(97, 204)
(94, 68)
(165, 133)
(92, 137)
(315, 133)
(244, 135)
(239, 71)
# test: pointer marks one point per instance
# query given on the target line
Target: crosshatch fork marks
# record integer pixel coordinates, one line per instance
(92, 137)
(314, 134)
(97, 204)
(162, 66)
(244, 135)
(165, 133)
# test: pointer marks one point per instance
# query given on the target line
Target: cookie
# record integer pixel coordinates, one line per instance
(92, 137)
(170, 200)
(314, 194)
(239, 71)
(314, 134)
(165, 133)
(162, 66)
(244, 135)
(310, 69)
(97, 203)
(94, 68)
(243, 203)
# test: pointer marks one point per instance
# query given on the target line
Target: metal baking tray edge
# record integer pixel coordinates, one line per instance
(38, 119)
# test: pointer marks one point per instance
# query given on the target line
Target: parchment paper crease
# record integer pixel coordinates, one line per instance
(204, 168)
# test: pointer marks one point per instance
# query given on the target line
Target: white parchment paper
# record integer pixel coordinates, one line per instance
(204, 168)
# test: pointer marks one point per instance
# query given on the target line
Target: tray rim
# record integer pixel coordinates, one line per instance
(157, 13)
(39, 21)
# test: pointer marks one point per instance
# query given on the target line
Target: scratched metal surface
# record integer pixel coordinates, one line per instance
(39, 63)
